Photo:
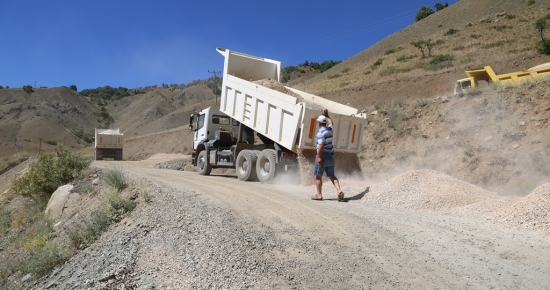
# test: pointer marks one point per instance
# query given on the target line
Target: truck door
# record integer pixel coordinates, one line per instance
(200, 131)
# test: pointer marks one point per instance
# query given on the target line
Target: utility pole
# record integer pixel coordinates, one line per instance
(215, 84)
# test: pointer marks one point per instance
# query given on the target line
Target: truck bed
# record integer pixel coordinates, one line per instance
(285, 119)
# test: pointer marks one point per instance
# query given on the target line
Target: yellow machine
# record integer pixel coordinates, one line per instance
(487, 74)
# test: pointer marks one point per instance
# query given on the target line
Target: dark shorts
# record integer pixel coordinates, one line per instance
(327, 165)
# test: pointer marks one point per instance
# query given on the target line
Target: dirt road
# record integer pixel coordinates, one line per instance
(218, 232)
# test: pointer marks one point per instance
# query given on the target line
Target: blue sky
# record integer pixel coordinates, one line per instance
(141, 43)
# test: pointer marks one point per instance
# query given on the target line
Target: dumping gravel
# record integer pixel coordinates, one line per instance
(346, 166)
(277, 86)
(426, 189)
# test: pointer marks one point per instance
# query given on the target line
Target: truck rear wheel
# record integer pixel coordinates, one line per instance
(266, 166)
(246, 165)
(204, 168)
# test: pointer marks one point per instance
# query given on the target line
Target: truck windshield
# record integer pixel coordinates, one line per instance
(200, 121)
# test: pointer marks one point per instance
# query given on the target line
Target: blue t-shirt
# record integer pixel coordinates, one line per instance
(325, 137)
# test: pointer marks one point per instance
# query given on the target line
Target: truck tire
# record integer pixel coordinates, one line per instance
(203, 167)
(246, 165)
(266, 166)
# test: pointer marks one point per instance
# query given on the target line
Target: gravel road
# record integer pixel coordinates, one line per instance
(216, 232)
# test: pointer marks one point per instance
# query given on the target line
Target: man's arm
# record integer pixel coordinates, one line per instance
(320, 153)
(329, 120)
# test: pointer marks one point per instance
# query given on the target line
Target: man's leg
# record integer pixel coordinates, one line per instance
(336, 183)
(319, 185)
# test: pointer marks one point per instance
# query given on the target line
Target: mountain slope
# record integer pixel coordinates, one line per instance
(489, 32)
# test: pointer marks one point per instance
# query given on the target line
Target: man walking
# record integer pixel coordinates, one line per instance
(325, 157)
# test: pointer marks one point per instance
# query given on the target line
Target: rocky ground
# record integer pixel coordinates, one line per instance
(217, 232)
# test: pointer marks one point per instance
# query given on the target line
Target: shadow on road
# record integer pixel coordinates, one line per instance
(358, 196)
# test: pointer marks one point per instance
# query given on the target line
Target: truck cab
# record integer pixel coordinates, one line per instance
(207, 122)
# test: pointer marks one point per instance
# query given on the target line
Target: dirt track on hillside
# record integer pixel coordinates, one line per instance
(217, 232)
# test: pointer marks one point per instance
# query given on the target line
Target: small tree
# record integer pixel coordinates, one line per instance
(28, 89)
(424, 12)
(73, 87)
(439, 6)
(422, 45)
(541, 25)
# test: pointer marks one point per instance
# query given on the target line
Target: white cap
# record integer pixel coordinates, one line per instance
(322, 119)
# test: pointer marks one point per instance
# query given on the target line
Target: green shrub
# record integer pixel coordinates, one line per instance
(530, 2)
(28, 89)
(543, 47)
(461, 47)
(404, 58)
(346, 70)
(44, 256)
(50, 172)
(89, 230)
(51, 142)
(393, 50)
(391, 70)
(501, 27)
(440, 61)
(510, 16)
(376, 64)
(451, 31)
(396, 117)
(422, 102)
(334, 76)
(115, 178)
(498, 43)
(118, 203)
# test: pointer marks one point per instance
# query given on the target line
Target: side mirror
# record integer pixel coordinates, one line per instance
(191, 122)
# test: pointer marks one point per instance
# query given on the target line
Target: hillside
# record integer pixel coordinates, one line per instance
(412, 128)
(489, 32)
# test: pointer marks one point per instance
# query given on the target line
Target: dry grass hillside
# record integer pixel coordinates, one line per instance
(49, 115)
(499, 33)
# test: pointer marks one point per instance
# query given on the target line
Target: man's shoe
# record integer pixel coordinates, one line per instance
(341, 196)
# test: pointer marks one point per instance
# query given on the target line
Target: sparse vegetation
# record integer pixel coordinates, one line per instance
(404, 58)
(28, 89)
(119, 204)
(498, 43)
(501, 27)
(115, 178)
(451, 31)
(87, 137)
(422, 45)
(87, 231)
(50, 172)
(541, 25)
(376, 64)
(440, 61)
(288, 71)
(424, 12)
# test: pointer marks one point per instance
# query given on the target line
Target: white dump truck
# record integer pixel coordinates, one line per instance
(225, 137)
(109, 143)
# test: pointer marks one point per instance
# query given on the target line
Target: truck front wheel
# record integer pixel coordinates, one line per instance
(266, 167)
(246, 165)
(204, 167)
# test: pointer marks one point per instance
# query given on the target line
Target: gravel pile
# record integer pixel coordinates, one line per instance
(277, 86)
(426, 189)
(532, 211)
